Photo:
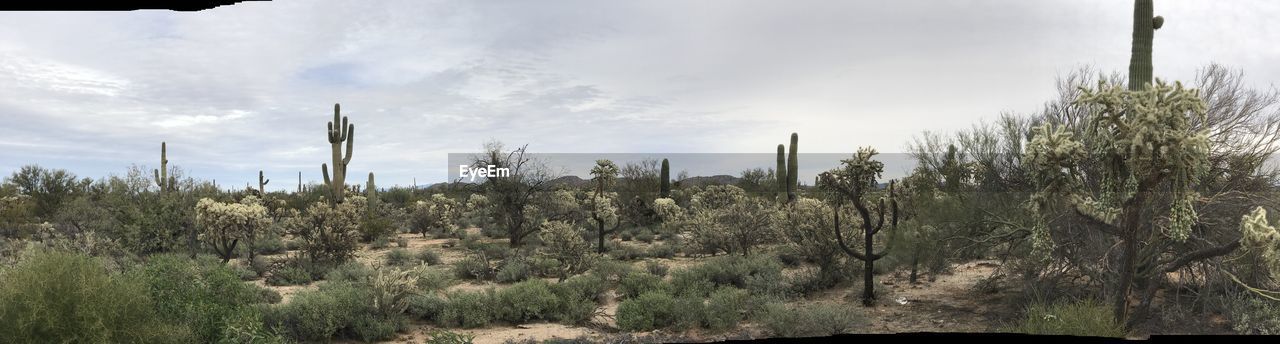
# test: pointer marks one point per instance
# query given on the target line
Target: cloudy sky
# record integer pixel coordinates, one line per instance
(250, 86)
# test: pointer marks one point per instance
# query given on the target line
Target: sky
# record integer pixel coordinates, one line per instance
(249, 87)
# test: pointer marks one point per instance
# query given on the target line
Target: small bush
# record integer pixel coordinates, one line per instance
(402, 242)
(352, 271)
(293, 244)
(656, 268)
(1254, 315)
(399, 257)
(821, 319)
(726, 308)
(525, 301)
(435, 279)
(426, 307)
(611, 270)
(380, 243)
(663, 250)
(429, 256)
(638, 283)
(645, 235)
(336, 310)
(473, 267)
(271, 245)
(438, 336)
(628, 252)
(646, 312)
(1085, 318)
(588, 287)
(289, 275)
(513, 270)
(626, 235)
(468, 309)
(760, 274)
(243, 272)
(260, 266)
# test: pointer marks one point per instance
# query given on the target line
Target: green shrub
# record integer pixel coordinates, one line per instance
(268, 295)
(336, 310)
(525, 301)
(402, 242)
(439, 336)
(200, 294)
(351, 271)
(663, 250)
(820, 319)
(429, 256)
(1254, 315)
(246, 326)
(399, 257)
(637, 283)
(473, 267)
(243, 272)
(588, 287)
(644, 235)
(611, 270)
(626, 235)
(468, 309)
(656, 268)
(513, 270)
(759, 274)
(426, 307)
(260, 265)
(646, 312)
(270, 245)
(628, 252)
(1084, 318)
(380, 243)
(293, 244)
(289, 275)
(435, 279)
(726, 307)
(689, 312)
(89, 305)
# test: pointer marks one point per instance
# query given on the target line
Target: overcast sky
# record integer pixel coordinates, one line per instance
(250, 86)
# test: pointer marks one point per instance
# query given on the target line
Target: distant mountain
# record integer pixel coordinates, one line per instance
(720, 179)
(569, 181)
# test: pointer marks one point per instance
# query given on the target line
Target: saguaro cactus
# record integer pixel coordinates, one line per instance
(850, 182)
(262, 184)
(338, 132)
(371, 194)
(781, 174)
(299, 181)
(793, 168)
(665, 189)
(163, 179)
(1145, 23)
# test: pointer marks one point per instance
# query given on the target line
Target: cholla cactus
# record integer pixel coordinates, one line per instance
(563, 243)
(851, 182)
(438, 212)
(224, 225)
(667, 209)
(329, 234)
(1261, 237)
(391, 288)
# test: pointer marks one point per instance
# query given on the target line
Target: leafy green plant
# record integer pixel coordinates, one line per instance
(1083, 318)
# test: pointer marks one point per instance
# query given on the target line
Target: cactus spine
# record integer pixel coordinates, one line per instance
(1145, 23)
(793, 169)
(163, 179)
(262, 184)
(338, 132)
(665, 189)
(781, 174)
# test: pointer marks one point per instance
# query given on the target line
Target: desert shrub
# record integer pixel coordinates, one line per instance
(439, 336)
(473, 266)
(224, 225)
(429, 256)
(260, 266)
(352, 271)
(399, 257)
(819, 319)
(588, 286)
(243, 272)
(336, 310)
(525, 301)
(426, 306)
(760, 274)
(328, 234)
(574, 308)
(689, 311)
(380, 243)
(627, 252)
(271, 244)
(91, 305)
(1083, 318)
(563, 244)
(626, 235)
(656, 268)
(545, 266)
(402, 242)
(268, 295)
(246, 326)
(293, 244)
(199, 294)
(468, 309)
(289, 275)
(514, 269)
(726, 307)
(646, 312)
(1254, 315)
(637, 283)
(645, 235)
(663, 250)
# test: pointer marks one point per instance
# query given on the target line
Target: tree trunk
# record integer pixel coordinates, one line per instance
(868, 268)
(915, 264)
(600, 236)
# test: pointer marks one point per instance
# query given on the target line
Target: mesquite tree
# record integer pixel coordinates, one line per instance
(851, 182)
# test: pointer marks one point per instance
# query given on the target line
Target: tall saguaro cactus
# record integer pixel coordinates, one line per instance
(793, 169)
(1145, 23)
(262, 184)
(781, 174)
(665, 189)
(338, 132)
(299, 181)
(371, 194)
(851, 182)
(163, 179)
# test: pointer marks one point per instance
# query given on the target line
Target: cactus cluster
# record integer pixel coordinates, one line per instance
(339, 131)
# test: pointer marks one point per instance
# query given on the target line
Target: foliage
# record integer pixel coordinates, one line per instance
(563, 243)
(201, 295)
(647, 312)
(329, 234)
(1084, 318)
(438, 336)
(225, 224)
(468, 309)
(809, 320)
